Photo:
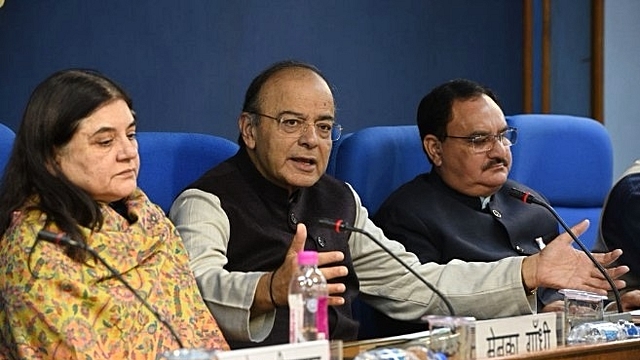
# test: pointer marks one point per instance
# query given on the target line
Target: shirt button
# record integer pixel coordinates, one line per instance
(519, 249)
(293, 219)
(496, 213)
(321, 242)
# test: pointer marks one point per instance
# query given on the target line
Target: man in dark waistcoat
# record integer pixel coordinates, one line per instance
(462, 209)
(245, 220)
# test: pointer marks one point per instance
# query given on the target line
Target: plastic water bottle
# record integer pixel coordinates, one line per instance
(308, 301)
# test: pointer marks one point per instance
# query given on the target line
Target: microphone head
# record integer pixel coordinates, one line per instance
(327, 222)
(337, 225)
(516, 193)
(59, 238)
(523, 196)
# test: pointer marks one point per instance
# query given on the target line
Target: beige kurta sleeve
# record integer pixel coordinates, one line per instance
(205, 230)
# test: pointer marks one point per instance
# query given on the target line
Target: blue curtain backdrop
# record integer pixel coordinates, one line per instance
(188, 63)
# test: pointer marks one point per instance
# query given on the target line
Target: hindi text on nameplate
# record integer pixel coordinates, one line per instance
(515, 335)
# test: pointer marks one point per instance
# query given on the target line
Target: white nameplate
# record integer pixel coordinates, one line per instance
(311, 350)
(515, 335)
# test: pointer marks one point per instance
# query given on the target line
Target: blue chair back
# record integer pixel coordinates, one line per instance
(377, 160)
(331, 166)
(7, 136)
(169, 161)
(569, 159)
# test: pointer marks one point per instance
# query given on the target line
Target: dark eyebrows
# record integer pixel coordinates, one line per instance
(326, 117)
(107, 129)
(483, 133)
(301, 116)
(289, 112)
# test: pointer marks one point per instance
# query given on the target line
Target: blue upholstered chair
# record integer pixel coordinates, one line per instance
(7, 137)
(331, 166)
(377, 160)
(169, 161)
(569, 159)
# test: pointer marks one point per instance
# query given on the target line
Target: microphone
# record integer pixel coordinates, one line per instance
(531, 199)
(58, 239)
(339, 226)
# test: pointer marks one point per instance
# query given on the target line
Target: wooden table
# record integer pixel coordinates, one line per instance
(616, 350)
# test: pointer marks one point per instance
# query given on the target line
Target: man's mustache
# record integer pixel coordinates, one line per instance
(494, 162)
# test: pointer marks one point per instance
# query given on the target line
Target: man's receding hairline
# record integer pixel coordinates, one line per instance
(299, 70)
(282, 74)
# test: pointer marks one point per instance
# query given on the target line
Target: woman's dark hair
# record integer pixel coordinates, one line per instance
(52, 116)
(252, 99)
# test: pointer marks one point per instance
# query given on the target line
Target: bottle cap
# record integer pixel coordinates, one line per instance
(307, 258)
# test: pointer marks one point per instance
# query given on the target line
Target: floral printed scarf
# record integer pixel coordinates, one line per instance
(53, 307)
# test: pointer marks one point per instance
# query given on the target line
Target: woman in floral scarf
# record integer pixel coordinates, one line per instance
(73, 171)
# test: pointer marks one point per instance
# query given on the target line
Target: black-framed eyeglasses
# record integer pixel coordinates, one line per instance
(484, 143)
(295, 126)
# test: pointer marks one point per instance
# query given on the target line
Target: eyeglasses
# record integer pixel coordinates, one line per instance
(484, 143)
(295, 126)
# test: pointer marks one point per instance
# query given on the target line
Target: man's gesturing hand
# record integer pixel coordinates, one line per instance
(561, 266)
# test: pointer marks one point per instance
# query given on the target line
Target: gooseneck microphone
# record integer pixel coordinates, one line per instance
(339, 226)
(531, 199)
(57, 239)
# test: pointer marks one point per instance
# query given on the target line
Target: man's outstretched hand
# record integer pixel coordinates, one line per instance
(561, 266)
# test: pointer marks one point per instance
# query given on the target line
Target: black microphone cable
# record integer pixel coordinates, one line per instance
(339, 225)
(531, 199)
(57, 239)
